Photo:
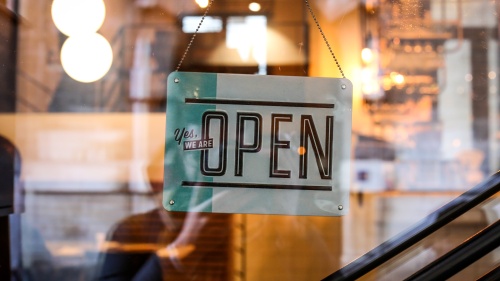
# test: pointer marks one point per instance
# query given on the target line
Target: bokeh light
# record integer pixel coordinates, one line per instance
(399, 79)
(86, 57)
(73, 17)
(254, 7)
(202, 3)
(366, 55)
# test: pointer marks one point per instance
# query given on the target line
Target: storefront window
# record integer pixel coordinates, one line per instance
(89, 123)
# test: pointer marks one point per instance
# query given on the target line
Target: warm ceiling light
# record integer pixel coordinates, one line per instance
(254, 7)
(74, 17)
(202, 3)
(86, 57)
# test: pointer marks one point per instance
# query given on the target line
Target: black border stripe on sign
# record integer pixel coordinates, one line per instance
(260, 103)
(257, 185)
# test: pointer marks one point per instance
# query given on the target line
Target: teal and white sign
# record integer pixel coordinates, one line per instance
(257, 144)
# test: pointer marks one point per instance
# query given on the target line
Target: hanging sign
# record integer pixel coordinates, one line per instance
(257, 144)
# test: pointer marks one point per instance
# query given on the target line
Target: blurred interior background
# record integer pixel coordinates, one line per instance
(83, 94)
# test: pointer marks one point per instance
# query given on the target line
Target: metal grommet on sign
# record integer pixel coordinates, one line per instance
(172, 202)
(343, 86)
(341, 207)
(176, 80)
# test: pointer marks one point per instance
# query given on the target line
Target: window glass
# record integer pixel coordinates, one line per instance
(85, 107)
(210, 24)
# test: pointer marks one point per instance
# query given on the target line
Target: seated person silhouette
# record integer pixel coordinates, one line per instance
(162, 245)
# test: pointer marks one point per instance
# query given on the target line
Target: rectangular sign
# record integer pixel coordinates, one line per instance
(257, 144)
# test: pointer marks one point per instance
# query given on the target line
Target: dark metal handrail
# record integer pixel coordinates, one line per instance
(422, 229)
(462, 256)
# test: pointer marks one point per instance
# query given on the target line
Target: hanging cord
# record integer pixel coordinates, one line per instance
(324, 37)
(194, 35)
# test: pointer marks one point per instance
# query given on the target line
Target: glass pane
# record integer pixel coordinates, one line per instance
(83, 100)
(440, 243)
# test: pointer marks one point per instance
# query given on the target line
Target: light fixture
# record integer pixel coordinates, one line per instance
(202, 3)
(86, 57)
(254, 7)
(74, 17)
(492, 75)
(399, 79)
(366, 55)
(370, 84)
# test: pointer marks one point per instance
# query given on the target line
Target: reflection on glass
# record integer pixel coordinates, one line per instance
(210, 24)
(443, 241)
(248, 36)
(161, 245)
(89, 149)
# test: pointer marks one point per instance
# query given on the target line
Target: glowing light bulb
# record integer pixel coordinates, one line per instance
(366, 55)
(73, 17)
(492, 75)
(202, 3)
(254, 7)
(399, 79)
(86, 57)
